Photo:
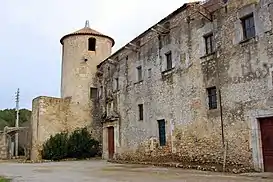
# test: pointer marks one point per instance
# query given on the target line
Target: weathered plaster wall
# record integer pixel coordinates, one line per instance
(78, 76)
(75, 109)
(49, 117)
(239, 70)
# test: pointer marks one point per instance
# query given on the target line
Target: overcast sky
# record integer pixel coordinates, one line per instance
(30, 51)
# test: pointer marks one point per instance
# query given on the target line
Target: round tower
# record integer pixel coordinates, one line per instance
(82, 50)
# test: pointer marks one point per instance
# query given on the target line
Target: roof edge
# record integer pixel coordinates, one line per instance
(98, 35)
(174, 13)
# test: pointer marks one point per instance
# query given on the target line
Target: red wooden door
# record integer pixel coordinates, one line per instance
(267, 143)
(111, 146)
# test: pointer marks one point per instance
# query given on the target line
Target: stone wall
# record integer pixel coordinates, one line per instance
(3, 146)
(239, 69)
(49, 117)
(76, 108)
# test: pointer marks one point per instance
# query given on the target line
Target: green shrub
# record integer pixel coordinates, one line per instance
(55, 148)
(79, 145)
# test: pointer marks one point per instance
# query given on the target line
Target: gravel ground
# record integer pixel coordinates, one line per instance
(102, 171)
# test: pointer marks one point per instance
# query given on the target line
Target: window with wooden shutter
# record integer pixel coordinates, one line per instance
(162, 132)
(248, 26)
(212, 96)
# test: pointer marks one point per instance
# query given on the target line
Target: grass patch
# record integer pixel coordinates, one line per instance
(2, 179)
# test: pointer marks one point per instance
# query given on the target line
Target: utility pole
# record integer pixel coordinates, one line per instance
(17, 123)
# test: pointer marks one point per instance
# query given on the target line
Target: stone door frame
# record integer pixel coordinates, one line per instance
(255, 137)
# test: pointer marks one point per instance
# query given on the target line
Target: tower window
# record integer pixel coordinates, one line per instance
(92, 44)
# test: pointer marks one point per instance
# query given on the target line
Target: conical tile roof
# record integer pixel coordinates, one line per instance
(87, 31)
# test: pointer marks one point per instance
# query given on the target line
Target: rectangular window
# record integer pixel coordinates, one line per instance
(209, 41)
(139, 73)
(116, 83)
(92, 44)
(169, 60)
(212, 96)
(248, 26)
(93, 93)
(162, 132)
(140, 112)
(149, 72)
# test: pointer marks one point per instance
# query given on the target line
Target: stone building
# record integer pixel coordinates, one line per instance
(195, 88)
(83, 50)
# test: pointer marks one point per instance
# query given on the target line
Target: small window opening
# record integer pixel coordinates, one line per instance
(212, 96)
(93, 93)
(169, 60)
(140, 111)
(116, 83)
(162, 132)
(139, 73)
(109, 70)
(149, 72)
(209, 41)
(248, 26)
(92, 44)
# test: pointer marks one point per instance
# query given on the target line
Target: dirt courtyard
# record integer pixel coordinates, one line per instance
(102, 171)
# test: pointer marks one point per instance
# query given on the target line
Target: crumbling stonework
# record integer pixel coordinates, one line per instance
(49, 117)
(240, 69)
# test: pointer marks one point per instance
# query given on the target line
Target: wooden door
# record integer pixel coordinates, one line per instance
(266, 125)
(111, 146)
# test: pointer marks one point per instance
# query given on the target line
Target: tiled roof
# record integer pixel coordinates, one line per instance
(87, 31)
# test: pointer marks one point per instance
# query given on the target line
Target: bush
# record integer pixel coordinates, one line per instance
(56, 147)
(79, 145)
